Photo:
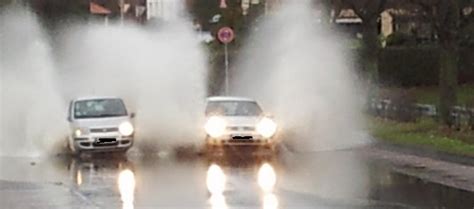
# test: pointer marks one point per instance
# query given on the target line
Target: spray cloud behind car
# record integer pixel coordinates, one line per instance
(298, 69)
(159, 72)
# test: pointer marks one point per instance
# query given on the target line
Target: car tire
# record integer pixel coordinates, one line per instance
(70, 148)
(123, 152)
(273, 148)
(208, 148)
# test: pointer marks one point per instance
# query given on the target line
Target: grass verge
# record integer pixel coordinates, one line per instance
(424, 133)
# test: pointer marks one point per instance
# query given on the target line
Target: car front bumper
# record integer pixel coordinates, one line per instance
(102, 143)
(240, 139)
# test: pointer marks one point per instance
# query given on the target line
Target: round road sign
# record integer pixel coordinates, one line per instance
(225, 35)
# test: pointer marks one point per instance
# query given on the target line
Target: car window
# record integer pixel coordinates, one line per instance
(99, 108)
(233, 108)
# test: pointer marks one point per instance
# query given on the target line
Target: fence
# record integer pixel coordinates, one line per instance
(411, 112)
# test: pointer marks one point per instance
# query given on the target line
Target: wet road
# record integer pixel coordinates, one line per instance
(238, 179)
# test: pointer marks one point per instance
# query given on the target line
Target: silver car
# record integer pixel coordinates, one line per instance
(237, 121)
(99, 124)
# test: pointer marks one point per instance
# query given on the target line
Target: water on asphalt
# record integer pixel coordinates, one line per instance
(233, 178)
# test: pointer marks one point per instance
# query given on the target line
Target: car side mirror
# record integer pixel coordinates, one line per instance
(69, 118)
(132, 115)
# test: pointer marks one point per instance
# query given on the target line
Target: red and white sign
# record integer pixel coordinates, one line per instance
(225, 35)
(98, 9)
(223, 4)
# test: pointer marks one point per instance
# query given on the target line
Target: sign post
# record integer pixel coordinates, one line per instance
(226, 35)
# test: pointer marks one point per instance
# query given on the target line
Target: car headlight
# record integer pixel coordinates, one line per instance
(266, 127)
(215, 126)
(126, 129)
(78, 132)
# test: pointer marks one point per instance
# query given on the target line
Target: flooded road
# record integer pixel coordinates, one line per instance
(236, 179)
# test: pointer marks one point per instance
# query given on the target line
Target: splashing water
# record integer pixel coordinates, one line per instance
(160, 71)
(299, 70)
(31, 113)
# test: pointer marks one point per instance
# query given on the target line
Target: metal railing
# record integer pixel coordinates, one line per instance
(405, 111)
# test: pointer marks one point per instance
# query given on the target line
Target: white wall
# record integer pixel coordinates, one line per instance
(164, 9)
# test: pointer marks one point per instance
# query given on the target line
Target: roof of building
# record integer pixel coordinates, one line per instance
(98, 9)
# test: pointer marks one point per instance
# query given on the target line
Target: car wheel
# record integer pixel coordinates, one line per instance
(209, 147)
(71, 148)
(273, 148)
(123, 152)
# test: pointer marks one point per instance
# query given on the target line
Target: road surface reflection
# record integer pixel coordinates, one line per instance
(260, 181)
(215, 181)
(267, 180)
(126, 184)
(241, 180)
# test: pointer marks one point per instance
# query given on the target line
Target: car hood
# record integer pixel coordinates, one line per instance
(100, 122)
(241, 120)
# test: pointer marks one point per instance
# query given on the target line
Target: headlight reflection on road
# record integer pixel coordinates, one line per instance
(266, 177)
(126, 184)
(216, 181)
(218, 201)
(79, 178)
(267, 180)
(270, 201)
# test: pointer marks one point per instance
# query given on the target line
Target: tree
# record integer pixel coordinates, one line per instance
(466, 35)
(445, 16)
(5, 3)
(57, 9)
(369, 11)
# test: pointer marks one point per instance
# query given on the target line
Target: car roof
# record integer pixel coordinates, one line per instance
(95, 97)
(228, 98)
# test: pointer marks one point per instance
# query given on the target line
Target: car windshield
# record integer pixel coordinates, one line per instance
(99, 108)
(233, 108)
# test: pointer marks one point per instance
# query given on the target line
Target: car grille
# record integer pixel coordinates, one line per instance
(241, 128)
(103, 130)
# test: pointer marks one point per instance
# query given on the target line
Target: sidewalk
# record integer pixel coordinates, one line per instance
(20, 195)
(448, 173)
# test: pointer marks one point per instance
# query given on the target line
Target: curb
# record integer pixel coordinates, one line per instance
(426, 152)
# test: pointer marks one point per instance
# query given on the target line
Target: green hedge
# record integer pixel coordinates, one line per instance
(408, 66)
(466, 66)
(419, 66)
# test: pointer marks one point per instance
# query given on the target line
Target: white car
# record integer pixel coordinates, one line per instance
(99, 124)
(237, 121)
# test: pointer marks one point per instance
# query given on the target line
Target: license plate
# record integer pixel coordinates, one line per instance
(105, 140)
(242, 137)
